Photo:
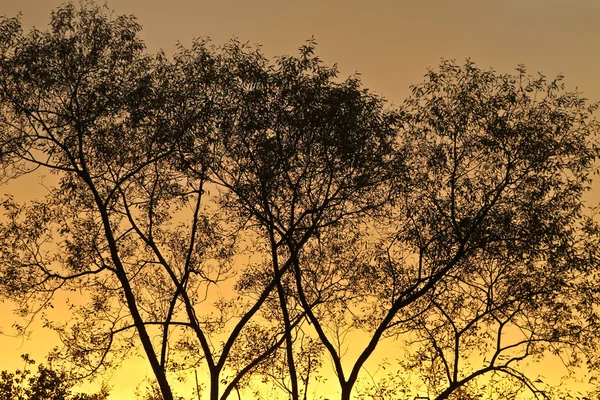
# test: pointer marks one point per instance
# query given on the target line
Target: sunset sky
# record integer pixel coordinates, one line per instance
(390, 43)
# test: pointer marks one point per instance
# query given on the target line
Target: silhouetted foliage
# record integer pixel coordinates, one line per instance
(45, 384)
(244, 217)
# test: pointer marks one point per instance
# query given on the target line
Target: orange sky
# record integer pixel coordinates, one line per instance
(390, 43)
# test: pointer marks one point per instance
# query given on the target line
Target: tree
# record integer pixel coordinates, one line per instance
(46, 384)
(508, 160)
(241, 216)
(303, 157)
(79, 89)
(488, 255)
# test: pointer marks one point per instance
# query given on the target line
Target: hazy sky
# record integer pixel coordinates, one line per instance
(391, 43)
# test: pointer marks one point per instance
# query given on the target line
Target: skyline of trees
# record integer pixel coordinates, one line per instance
(243, 216)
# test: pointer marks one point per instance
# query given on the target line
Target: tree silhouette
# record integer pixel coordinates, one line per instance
(487, 250)
(225, 212)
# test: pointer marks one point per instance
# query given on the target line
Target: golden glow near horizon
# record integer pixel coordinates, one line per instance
(390, 43)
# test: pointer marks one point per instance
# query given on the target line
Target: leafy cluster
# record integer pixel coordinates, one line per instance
(45, 384)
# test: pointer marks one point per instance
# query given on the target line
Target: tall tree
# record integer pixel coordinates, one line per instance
(488, 249)
(302, 156)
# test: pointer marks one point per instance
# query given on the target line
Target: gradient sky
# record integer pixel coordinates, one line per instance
(391, 43)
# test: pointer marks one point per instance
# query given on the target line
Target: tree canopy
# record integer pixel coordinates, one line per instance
(244, 217)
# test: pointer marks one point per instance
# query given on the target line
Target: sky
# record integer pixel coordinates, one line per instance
(390, 43)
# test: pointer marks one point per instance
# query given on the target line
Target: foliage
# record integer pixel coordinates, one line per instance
(487, 255)
(244, 217)
(505, 161)
(45, 384)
